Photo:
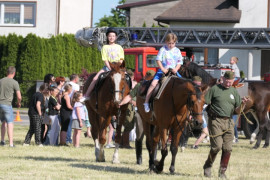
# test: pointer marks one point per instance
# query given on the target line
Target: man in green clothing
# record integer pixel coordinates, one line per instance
(7, 88)
(139, 126)
(223, 101)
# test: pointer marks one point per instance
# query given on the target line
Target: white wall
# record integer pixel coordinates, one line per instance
(254, 13)
(74, 15)
(244, 60)
(45, 21)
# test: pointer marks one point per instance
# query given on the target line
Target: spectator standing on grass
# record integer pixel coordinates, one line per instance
(7, 88)
(54, 108)
(78, 116)
(65, 113)
(236, 71)
(60, 82)
(74, 80)
(36, 115)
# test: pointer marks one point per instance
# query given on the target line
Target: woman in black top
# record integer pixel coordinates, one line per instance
(35, 113)
(65, 113)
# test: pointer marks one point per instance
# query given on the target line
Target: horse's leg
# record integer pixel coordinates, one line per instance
(262, 125)
(259, 138)
(267, 129)
(266, 145)
(93, 117)
(174, 146)
(164, 150)
(147, 132)
(118, 136)
(256, 131)
(102, 139)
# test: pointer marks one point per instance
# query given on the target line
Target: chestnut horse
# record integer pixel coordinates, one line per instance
(103, 104)
(259, 93)
(179, 99)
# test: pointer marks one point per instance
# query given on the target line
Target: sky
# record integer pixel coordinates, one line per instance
(103, 7)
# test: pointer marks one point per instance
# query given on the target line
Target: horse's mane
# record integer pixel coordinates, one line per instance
(196, 87)
(196, 70)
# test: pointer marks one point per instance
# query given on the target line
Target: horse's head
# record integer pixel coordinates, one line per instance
(120, 86)
(195, 102)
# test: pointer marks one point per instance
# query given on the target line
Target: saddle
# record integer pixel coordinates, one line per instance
(158, 89)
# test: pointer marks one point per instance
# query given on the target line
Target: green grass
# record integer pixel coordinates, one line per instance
(70, 163)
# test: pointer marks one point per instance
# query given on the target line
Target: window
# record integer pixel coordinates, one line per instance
(140, 62)
(151, 61)
(17, 14)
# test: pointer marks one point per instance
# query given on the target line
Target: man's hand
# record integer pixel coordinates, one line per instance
(245, 99)
(19, 104)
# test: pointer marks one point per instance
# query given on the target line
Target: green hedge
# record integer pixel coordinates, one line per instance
(34, 57)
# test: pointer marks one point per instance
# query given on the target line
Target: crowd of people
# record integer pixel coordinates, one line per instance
(58, 106)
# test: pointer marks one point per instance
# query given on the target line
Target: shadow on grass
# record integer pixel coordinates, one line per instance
(125, 170)
(40, 158)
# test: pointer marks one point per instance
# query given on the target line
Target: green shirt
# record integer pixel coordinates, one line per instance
(223, 100)
(7, 88)
(134, 91)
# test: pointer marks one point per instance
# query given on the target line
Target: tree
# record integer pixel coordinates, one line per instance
(117, 19)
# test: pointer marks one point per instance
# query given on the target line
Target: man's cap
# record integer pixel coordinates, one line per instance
(130, 72)
(229, 75)
(149, 75)
(197, 78)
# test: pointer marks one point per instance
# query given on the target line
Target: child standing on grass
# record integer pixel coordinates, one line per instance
(78, 115)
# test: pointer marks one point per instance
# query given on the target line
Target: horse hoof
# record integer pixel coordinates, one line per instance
(97, 160)
(265, 146)
(255, 147)
(172, 169)
(116, 161)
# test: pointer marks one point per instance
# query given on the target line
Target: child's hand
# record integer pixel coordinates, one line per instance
(81, 124)
(174, 71)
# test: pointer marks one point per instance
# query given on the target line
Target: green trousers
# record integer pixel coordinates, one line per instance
(221, 133)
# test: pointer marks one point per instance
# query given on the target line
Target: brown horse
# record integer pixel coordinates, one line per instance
(259, 93)
(103, 104)
(179, 99)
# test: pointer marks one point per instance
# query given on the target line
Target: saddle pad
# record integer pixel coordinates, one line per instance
(163, 85)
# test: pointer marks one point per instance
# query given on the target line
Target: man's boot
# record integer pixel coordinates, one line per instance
(225, 157)
(138, 146)
(209, 163)
(125, 141)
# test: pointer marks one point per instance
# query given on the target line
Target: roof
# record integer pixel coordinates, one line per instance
(141, 3)
(202, 11)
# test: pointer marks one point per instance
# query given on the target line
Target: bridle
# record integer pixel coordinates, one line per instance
(189, 107)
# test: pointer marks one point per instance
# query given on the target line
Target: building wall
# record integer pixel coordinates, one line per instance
(254, 15)
(138, 14)
(45, 20)
(74, 15)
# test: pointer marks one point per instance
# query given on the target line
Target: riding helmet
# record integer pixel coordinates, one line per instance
(109, 30)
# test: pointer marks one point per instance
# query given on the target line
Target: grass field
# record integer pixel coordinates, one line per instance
(70, 163)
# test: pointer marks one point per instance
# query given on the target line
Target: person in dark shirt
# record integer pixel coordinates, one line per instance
(35, 113)
(54, 108)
